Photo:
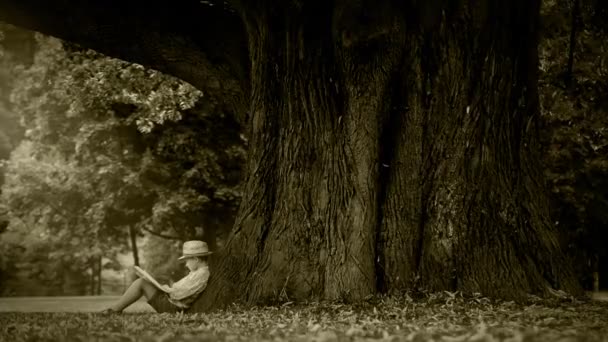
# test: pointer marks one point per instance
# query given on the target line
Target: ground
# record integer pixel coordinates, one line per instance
(65, 304)
(448, 317)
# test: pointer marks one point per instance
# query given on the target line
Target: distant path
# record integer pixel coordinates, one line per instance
(98, 303)
(65, 304)
(602, 295)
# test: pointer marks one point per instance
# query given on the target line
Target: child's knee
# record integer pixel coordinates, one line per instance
(146, 284)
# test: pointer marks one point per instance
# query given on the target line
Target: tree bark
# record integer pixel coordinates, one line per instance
(465, 195)
(92, 280)
(391, 149)
(99, 279)
(572, 45)
(133, 241)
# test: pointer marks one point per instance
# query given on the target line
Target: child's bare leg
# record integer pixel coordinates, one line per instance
(138, 288)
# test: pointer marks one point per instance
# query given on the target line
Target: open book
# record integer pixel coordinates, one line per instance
(143, 274)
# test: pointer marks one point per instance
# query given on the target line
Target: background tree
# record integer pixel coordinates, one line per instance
(15, 50)
(47, 199)
(165, 267)
(117, 171)
(574, 130)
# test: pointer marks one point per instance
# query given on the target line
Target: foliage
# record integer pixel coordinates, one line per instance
(165, 266)
(107, 114)
(14, 51)
(111, 145)
(202, 157)
(575, 129)
(69, 182)
(48, 199)
(437, 317)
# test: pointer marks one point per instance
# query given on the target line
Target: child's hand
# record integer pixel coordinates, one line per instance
(167, 288)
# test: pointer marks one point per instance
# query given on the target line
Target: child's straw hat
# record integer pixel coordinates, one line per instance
(194, 248)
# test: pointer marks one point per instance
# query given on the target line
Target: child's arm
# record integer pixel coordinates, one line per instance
(189, 285)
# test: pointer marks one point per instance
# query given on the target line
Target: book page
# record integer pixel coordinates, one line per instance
(143, 274)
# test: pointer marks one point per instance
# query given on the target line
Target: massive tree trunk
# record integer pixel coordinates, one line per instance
(392, 143)
(391, 148)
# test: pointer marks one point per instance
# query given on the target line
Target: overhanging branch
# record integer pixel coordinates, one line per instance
(200, 44)
(161, 235)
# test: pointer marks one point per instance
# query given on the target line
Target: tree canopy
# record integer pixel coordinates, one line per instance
(110, 151)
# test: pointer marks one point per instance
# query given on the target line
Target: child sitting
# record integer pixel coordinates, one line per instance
(180, 295)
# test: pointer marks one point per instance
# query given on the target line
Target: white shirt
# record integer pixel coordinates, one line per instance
(187, 289)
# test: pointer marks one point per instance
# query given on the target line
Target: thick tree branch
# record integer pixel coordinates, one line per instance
(201, 44)
(161, 235)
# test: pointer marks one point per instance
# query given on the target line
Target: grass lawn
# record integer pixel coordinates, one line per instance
(436, 317)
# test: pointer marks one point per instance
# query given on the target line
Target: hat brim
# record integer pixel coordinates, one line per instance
(194, 255)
